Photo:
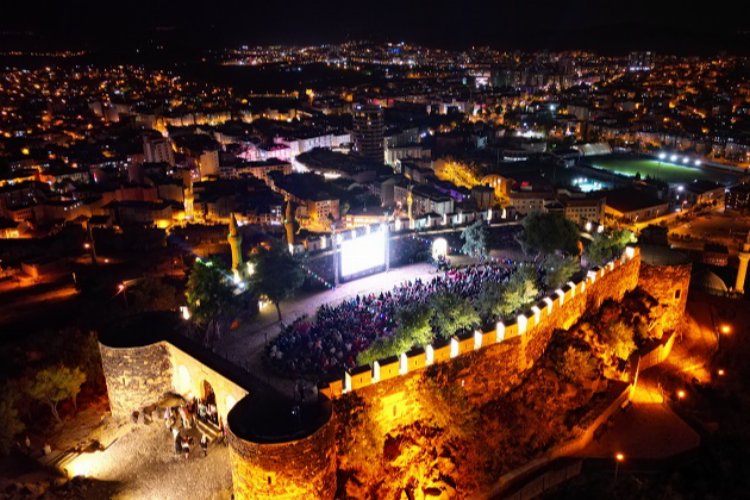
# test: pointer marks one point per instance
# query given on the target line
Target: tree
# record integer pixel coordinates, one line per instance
(618, 337)
(10, 422)
(211, 297)
(55, 384)
(577, 366)
(520, 291)
(414, 330)
(548, 232)
(606, 246)
(451, 314)
(559, 269)
(152, 294)
(277, 274)
(502, 300)
(488, 300)
(475, 239)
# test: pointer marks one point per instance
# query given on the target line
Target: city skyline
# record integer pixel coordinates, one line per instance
(424, 251)
(666, 26)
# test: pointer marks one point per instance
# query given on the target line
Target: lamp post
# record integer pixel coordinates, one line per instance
(124, 290)
(90, 245)
(724, 329)
(334, 244)
(619, 457)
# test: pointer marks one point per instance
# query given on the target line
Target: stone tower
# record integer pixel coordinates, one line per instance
(235, 241)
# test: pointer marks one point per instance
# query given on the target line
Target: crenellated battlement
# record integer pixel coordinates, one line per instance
(560, 309)
(296, 456)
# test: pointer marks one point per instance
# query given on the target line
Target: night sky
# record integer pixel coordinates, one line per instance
(559, 24)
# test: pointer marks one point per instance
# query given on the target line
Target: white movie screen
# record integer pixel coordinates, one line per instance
(362, 253)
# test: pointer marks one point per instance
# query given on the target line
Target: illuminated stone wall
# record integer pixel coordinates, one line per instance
(669, 285)
(481, 369)
(136, 376)
(140, 376)
(301, 469)
(189, 377)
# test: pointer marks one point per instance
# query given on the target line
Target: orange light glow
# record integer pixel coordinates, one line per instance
(681, 394)
(619, 457)
(726, 329)
(721, 372)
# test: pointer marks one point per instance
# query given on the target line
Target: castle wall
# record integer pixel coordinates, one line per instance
(394, 392)
(669, 285)
(485, 365)
(301, 469)
(189, 375)
(140, 376)
(135, 376)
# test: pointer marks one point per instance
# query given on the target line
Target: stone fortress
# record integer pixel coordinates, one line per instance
(277, 452)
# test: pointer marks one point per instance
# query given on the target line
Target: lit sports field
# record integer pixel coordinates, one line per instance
(662, 170)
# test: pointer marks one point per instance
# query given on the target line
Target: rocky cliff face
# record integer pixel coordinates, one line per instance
(436, 432)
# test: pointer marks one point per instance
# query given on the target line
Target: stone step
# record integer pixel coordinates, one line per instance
(208, 428)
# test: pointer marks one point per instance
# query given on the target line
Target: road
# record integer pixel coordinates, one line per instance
(29, 305)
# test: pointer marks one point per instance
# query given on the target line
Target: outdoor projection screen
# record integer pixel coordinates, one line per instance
(362, 253)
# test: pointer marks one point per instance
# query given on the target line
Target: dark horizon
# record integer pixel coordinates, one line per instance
(667, 27)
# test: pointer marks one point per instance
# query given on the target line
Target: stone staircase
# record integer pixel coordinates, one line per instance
(208, 428)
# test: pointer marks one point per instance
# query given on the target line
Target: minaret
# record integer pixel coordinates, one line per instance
(289, 223)
(409, 203)
(235, 241)
(739, 284)
(189, 198)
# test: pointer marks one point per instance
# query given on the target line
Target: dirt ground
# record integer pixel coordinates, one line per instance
(143, 464)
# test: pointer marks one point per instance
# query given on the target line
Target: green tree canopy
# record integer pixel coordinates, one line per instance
(277, 274)
(559, 269)
(618, 338)
(607, 246)
(152, 294)
(577, 366)
(549, 232)
(520, 291)
(414, 330)
(10, 422)
(475, 239)
(451, 314)
(502, 300)
(489, 300)
(210, 292)
(55, 384)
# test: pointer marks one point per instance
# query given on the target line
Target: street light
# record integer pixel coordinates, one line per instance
(681, 394)
(619, 457)
(721, 372)
(122, 288)
(724, 329)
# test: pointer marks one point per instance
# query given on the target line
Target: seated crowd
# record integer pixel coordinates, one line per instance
(332, 340)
